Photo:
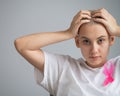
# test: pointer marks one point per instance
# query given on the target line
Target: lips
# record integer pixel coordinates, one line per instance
(94, 57)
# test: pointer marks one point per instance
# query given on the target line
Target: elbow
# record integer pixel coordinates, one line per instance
(18, 44)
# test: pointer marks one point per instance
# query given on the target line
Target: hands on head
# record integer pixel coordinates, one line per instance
(101, 16)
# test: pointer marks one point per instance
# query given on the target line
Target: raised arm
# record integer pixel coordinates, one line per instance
(29, 46)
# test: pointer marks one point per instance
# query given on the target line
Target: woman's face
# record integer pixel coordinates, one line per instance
(94, 42)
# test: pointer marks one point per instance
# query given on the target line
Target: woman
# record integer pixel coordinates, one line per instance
(62, 75)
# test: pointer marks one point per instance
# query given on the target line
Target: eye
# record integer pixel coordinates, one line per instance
(101, 40)
(86, 42)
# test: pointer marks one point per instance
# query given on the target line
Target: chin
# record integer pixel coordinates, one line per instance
(95, 64)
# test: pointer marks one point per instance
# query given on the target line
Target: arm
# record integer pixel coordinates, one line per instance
(29, 46)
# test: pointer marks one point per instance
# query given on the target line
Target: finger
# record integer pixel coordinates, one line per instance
(82, 17)
(101, 13)
(83, 12)
(84, 21)
(81, 23)
(100, 16)
(100, 20)
(101, 10)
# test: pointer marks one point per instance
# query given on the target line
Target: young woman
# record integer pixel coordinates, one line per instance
(62, 75)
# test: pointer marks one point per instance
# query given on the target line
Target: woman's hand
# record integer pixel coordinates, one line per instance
(104, 17)
(81, 17)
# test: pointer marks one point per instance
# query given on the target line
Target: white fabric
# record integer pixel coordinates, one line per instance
(66, 76)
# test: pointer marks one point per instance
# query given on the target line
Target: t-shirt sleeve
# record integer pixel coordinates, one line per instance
(53, 67)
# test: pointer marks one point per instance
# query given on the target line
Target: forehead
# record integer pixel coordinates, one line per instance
(92, 30)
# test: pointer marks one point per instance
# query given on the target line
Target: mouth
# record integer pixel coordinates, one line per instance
(94, 57)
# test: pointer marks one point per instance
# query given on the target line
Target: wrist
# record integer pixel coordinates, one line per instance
(69, 34)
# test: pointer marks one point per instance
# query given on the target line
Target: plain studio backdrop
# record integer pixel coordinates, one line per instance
(22, 17)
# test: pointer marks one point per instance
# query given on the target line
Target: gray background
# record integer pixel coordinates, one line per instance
(22, 17)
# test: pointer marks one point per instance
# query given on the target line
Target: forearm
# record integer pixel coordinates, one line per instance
(39, 40)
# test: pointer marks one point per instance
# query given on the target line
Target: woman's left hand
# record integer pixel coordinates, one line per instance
(104, 17)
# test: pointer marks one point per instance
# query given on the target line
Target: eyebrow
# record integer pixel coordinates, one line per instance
(84, 37)
(101, 37)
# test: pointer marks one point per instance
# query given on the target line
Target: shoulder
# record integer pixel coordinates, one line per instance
(56, 57)
(116, 59)
(60, 60)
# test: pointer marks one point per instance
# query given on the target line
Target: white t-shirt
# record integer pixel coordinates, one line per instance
(66, 76)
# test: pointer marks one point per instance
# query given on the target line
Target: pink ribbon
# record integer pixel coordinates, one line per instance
(108, 73)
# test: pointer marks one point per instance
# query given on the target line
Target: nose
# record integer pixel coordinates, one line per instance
(94, 49)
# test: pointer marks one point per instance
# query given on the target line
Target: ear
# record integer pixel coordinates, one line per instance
(112, 39)
(77, 41)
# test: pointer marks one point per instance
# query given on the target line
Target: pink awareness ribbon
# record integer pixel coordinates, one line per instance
(108, 73)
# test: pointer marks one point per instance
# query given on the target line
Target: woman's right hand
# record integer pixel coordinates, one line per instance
(81, 17)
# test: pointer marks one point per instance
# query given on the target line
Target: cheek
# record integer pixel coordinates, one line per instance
(85, 51)
(105, 49)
